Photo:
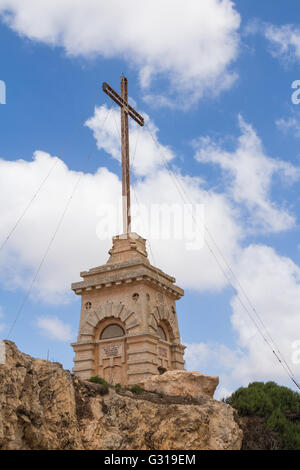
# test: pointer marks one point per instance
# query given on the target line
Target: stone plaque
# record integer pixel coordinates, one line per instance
(163, 352)
(111, 350)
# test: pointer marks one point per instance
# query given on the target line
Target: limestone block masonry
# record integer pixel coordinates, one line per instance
(128, 327)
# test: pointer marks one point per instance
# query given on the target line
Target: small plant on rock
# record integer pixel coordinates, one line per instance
(136, 389)
(98, 380)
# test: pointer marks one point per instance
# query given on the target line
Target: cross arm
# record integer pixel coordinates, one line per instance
(122, 103)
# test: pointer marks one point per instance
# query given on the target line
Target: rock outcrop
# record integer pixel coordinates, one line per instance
(181, 382)
(42, 406)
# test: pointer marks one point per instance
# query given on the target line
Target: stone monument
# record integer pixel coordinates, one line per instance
(128, 327)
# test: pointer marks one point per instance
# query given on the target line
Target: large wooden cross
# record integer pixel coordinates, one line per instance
(126, 110)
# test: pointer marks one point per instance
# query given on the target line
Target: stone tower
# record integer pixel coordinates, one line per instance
(128, 325)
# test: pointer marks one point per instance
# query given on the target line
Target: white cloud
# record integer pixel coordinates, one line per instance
(77, 245)
(250, 172)
(191, 45)
(108, 138)
(199, 355)
(285, 40)
(291, 124)
(215, 359)
(273, 284)
(219, 216)
(84, 236)
(54, 328)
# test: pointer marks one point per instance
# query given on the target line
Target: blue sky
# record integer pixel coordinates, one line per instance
(217, 96)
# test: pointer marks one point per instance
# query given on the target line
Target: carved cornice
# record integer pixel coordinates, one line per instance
(142, 273)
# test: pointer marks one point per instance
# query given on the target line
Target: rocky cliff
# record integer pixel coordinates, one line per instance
(42, 406)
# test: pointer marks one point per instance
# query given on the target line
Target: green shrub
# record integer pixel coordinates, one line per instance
(99, 380)
(118, 387)
(279, 406)
(136, 389)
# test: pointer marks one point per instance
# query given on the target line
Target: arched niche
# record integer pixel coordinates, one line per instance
(164, 317)
(112, 322)
(111, 350)
(113, 330)
(161, 332)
